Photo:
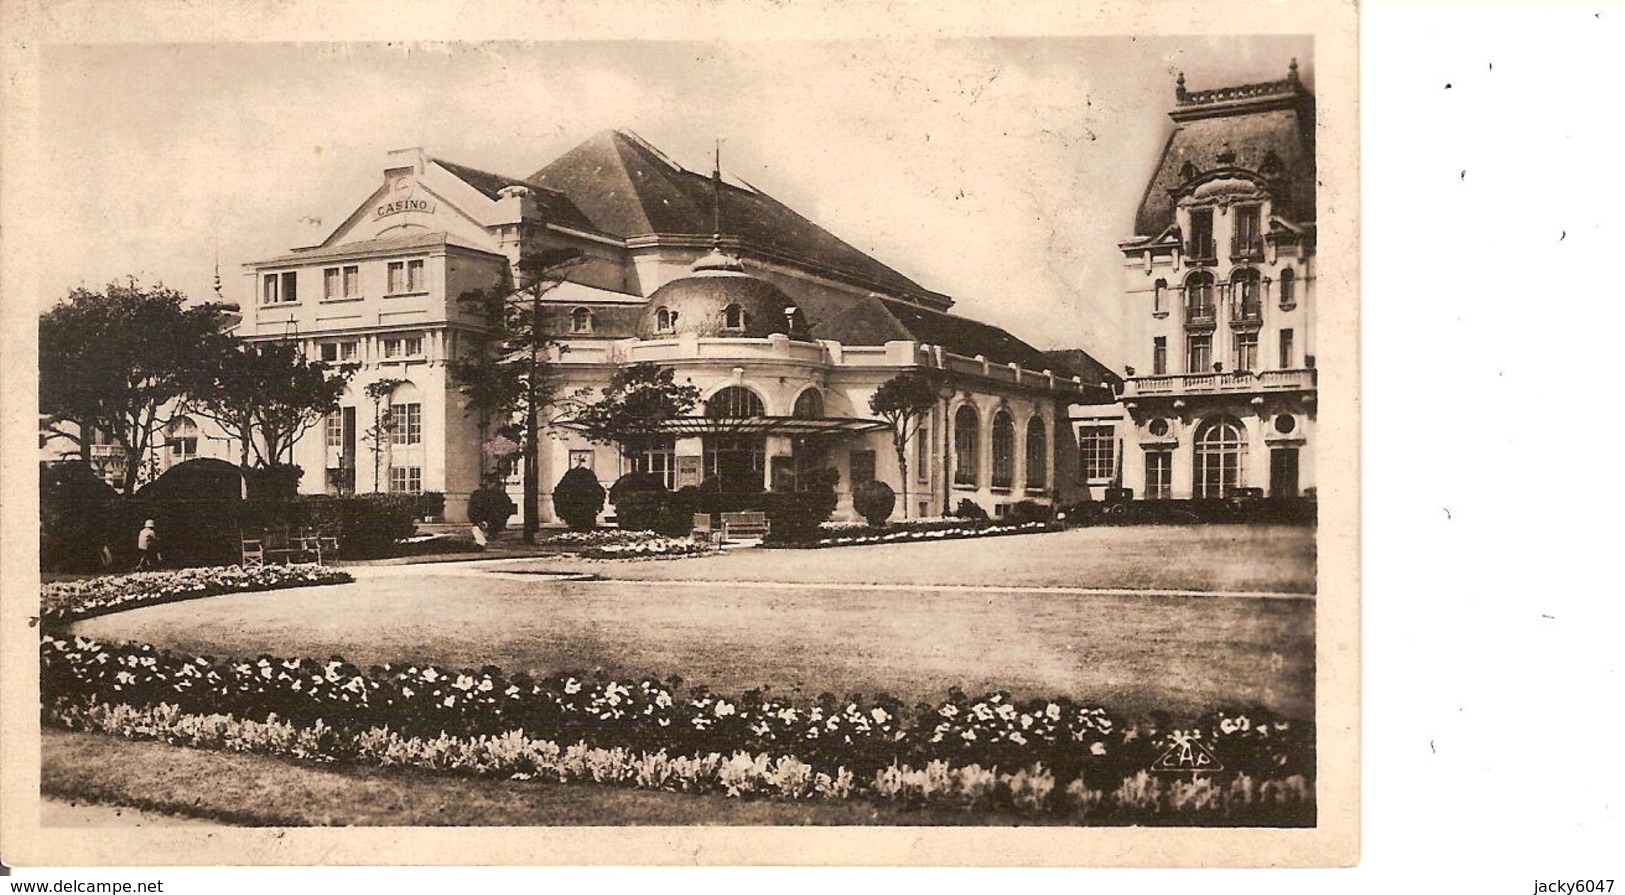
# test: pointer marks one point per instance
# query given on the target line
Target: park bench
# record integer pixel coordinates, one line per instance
(702, 530)
(748, 524)
(281, 545)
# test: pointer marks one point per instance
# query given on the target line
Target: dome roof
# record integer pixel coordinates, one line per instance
(702, 299)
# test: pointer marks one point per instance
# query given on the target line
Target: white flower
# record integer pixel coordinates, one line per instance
(1097, 748)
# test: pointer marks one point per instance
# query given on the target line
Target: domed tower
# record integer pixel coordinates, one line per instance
(717, 299)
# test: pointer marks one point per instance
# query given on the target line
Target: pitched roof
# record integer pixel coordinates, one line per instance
(1077, 362)
(555, 206)
(628, 188)
(1250, 120)
(873, 320)
(381, 245)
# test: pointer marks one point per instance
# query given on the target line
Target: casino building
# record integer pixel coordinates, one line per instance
(1219, 295)
(785, 329)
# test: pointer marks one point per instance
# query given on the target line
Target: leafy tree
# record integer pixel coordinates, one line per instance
(507, 374)
(266, 395)
(636, 401)
(904, 400)
(117, 361)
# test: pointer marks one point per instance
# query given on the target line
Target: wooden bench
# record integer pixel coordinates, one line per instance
(279, 545)
(702, 528)
(749, 524)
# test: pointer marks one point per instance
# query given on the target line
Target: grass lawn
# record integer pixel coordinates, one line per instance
(253, 790)
(1132, 654)
(1186, 557)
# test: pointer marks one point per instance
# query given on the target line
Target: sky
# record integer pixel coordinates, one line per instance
(1001, 171)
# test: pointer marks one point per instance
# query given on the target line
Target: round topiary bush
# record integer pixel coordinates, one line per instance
(578, 498)
(491, 506)
(874, 501)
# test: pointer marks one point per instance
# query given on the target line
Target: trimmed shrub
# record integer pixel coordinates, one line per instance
(492, 507)
(640, 501)
(874, 501)
(272, 482)
(722, 494)
(578, 498)
(794, 516)
(677, 512)
(1029, 511)
(970, 509)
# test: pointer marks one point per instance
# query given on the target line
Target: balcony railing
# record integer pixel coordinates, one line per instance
(1201, 316)
(1212, 383)
(1198, 250)
(1247, 249)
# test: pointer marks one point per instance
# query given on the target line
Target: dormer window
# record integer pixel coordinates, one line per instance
(665, 320)
(733, 317)
(581, 320)
(1247, 240)
(1200, 245)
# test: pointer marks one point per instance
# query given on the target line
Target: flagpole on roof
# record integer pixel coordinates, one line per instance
(716, 197)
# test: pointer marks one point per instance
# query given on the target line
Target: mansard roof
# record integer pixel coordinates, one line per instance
(630, 189)
(1268, 128)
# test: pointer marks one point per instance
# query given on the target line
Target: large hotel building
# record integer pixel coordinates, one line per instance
(787, 331)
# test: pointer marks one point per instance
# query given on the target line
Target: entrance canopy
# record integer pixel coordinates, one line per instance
(689, 426)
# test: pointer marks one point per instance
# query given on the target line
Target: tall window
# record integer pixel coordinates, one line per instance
(407, 422)
(1097, 453)
(341, 282)
(334, 429)
(809, 405)
(1159, 355)
(1159, 474)
(1221, 457)
(182, 439)
(1247, 238)
(1246, 351)
(656, 459)
(1199, 295)
(967, 444)
(922, 455)
(406, 479)
(1037, 454)
(1198, 353)
(1200, 247)
(405, 276)
(734, 402)
(665, 320)
(1244, 283)
(1289, 282)
(1004, 450)
(733, 317)
(861, 467)
(280, 288)
(1159, 297)
(581, 320)
(1286, 349)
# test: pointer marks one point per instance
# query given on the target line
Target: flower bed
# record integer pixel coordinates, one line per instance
(73, 600)
(927, 530)
(741, 774)
(1064, 740)
(618, 544)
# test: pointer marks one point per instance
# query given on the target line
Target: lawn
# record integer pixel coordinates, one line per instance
(1131, 653)
(1205, 558)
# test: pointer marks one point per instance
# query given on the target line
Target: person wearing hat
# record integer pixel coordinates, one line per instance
(146, 545)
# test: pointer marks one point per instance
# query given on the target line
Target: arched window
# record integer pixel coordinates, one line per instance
(665, 320)
(1221, 457)
(1159, 298)
(581, 320)
(1288, 282)
(809, 405)
(1199, 295)
(1244, 286)
(967, 443)
(182, 435)
(1037, 454)
(733, 317)
(1004, 450)
(734, 402)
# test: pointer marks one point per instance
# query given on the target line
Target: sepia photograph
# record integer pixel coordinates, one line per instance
(696, 434)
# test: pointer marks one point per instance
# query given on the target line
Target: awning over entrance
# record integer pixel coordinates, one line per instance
(690, 426)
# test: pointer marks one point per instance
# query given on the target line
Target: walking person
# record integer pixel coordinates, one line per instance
(146, 545)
